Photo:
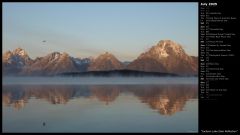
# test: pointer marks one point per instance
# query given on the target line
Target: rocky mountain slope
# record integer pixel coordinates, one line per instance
(105, 62)
(165, 57)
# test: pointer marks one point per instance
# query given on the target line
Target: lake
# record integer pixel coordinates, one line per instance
(88, 105)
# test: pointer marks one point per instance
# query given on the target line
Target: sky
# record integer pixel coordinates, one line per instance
(90, 29)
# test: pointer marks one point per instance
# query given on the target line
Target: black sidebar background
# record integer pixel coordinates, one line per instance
(219, 113)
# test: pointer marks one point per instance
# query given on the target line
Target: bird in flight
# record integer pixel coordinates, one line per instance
(44, 41)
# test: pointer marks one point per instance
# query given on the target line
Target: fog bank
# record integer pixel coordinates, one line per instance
(99, 80)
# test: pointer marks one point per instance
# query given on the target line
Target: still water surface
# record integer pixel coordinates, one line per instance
(100, 108)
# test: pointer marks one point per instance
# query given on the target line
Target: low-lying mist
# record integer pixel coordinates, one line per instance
(11, 80)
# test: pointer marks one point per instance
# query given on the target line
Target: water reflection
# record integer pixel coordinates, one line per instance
(166, 99)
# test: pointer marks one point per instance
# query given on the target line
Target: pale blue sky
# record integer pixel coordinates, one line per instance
(89, 29)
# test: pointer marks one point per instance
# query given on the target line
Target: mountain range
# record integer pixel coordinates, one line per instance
(165, 57)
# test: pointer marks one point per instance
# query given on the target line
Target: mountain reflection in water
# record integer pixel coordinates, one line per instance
(166, 99)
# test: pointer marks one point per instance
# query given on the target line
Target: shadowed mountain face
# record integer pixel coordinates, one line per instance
(166, 99)
(165, 57)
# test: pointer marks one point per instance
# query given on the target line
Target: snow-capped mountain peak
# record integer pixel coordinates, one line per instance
(56, 55)
(20, 52)
(170, 46)
(14, 61)
(164, 49)
(160, 50)
(165, 56)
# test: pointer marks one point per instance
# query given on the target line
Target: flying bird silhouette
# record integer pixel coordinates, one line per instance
(44, 41)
